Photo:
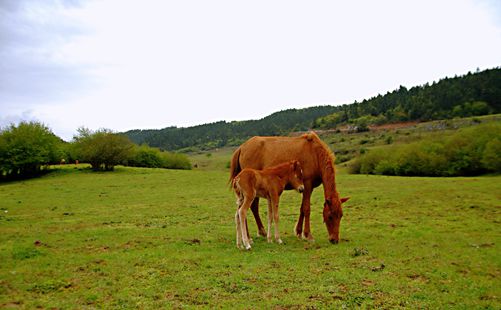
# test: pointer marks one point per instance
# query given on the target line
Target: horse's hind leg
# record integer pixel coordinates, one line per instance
(270, 219)
(247, 232)
(237, 220)
(239, 230)
(242, 214)
(275, 219)
(255, 211)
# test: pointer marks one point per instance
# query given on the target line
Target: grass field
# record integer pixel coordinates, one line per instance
(152, 238)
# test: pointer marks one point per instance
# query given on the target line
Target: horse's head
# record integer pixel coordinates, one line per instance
(296, 180)
(332, 217)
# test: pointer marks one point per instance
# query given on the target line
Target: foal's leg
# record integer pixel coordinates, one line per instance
(239, 230)
(255, 211)
(242, 213)
(275, 219)
(247, 232)
(270, 219)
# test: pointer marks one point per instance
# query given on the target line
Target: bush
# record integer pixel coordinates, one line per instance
(491, 157)
(145, 156)
(471, 151)
(27, 148)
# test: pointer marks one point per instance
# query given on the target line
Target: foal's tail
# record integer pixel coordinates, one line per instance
(234, 166)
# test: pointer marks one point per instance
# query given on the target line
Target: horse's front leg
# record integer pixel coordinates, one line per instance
(255, 211)
(305, 214)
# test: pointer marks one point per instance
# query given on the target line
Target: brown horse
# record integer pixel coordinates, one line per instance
(268, 183)
(317, 162)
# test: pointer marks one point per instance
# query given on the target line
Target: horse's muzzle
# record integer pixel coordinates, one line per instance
(300, 189)
(334, 241)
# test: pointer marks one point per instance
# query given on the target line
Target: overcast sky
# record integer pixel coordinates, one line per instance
(151, 64)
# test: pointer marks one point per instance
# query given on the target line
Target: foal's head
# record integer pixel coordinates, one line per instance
(296, 177)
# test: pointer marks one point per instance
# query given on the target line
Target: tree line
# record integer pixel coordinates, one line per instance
(219, 134)
(28, 149)
(476, 93)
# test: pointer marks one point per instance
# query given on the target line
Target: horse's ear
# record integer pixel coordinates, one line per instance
(345, 199)
(296, 163)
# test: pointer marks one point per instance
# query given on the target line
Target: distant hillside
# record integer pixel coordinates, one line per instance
(468, 95)
(223, 133)
(472, 94)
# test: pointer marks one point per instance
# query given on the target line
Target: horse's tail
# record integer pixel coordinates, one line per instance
(234, 166)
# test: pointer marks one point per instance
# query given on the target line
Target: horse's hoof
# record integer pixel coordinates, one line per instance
(248, 247)
(269, 240)
(251, 241)
(279, 241)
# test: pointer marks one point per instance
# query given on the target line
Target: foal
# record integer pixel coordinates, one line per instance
(268, 183)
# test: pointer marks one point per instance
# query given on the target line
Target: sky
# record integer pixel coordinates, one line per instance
(150, 64)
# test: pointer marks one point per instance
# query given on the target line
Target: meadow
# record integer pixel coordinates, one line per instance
(156, 238)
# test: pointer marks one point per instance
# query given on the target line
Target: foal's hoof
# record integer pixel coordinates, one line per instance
(309, 238)
(279, 241)
(248, 247)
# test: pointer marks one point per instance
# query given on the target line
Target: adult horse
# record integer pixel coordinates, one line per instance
(317, 162)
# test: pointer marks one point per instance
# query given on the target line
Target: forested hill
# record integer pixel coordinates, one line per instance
(223, 133)
(469, 95)
(472, 94)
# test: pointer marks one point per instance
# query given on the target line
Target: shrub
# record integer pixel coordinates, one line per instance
(145, 156)
(491, 157)
(468, 152)
(175, 161)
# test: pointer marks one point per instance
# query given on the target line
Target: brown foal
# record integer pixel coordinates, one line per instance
(268, 183)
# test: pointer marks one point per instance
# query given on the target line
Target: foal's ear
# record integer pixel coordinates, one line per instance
(345, 199)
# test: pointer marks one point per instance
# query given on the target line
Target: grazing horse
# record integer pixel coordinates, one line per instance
(268, 183)
(317, 162)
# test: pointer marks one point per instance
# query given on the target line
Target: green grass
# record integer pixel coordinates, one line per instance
(155, 238)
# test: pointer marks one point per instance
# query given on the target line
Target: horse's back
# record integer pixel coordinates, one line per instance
(262, 152)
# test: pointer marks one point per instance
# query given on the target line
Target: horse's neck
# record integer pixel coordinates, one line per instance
(328, 171)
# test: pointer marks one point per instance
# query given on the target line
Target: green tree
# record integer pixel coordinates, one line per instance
(25, 149)
(103, 149)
